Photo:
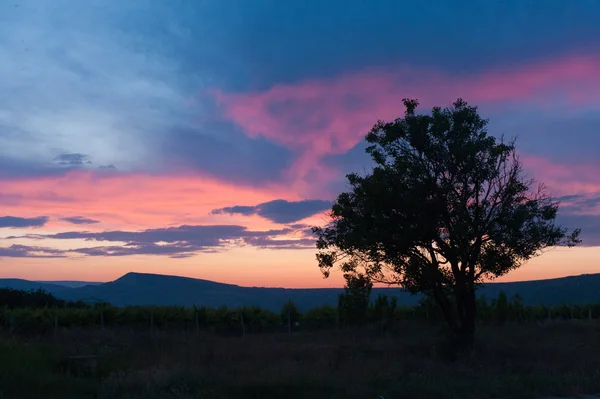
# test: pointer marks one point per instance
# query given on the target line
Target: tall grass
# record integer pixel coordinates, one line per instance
(511, 361)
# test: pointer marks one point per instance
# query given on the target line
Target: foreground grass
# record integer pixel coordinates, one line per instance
(517, 361)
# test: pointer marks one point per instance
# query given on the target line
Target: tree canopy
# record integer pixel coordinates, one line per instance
(445, 207)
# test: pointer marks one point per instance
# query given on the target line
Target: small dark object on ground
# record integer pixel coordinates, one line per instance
(80, 366)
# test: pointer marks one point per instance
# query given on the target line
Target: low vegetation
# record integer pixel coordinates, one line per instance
(347, 352)
(409, 361)
(354, 309)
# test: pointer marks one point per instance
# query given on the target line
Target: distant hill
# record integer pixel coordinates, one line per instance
(19, 284)
(573, 290)
(70, 284)
(157, 289)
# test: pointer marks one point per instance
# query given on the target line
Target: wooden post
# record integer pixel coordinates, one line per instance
(289, 320)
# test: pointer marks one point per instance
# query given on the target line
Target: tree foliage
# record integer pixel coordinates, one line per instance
(445, 207)
(13, 298)
(353, 304)
(290, 313)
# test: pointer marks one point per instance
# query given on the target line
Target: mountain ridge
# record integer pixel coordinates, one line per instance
(136, 288)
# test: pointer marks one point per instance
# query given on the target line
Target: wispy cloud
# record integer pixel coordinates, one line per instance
(91, 87)
(24, 251)
(80, 220)
(330, 116)
(73, 159)
(181, 241)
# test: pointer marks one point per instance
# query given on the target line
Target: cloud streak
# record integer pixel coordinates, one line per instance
(79, 220)
(24, 251)
(73, 159)
(179, 242)
(18, 222)
(279, 211)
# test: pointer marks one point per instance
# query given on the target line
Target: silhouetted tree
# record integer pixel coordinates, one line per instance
(290, 314)
(445, 207)
(12, 298)
(320, 317)
(517, 308)
(500, 306)
(380, 307)
(354, 302)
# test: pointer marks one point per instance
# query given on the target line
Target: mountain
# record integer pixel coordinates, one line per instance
(157, 289)
(19, 284)
(70, 284)
(574, 290)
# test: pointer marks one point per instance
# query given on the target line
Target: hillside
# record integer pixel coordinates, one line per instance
(155, 289)
(26, 285)
(70, 284)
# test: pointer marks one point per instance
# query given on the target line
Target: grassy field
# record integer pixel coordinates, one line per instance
(513, 361)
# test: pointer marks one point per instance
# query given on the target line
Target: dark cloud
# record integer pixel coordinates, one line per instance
(16, 168)
(24, 251)
(17, 222)
(578, 203)
(173, 250)
(280, 211)
(266, 243)
(230, 154)
(182, 241)
(550, 134)
(200, 236)
(570, 197)
(269, 42)
(589, 225)
(80, 220)
(72, 159)
(110, 167)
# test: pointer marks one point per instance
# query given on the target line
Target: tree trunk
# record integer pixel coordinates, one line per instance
(468, 304)
(449, 314)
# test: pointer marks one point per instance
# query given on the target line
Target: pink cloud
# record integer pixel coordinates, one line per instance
(324, 117)
(563, 179)
(132, 200)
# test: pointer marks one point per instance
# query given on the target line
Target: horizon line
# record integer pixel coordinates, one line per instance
(274, 287)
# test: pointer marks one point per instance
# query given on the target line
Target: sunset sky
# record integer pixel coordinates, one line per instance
(203, 138)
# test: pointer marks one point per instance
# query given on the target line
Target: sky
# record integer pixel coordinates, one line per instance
(204, 137)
